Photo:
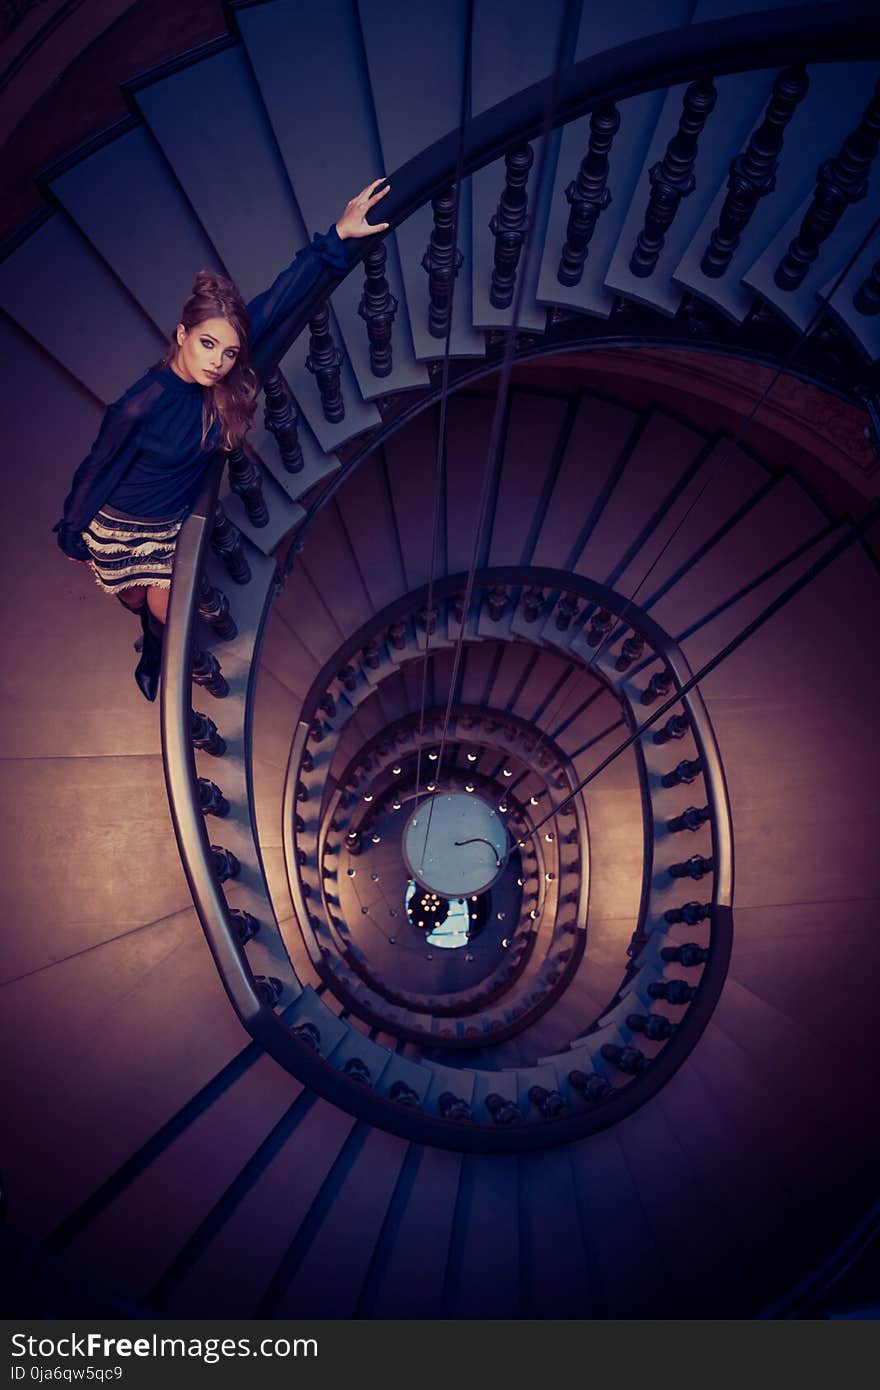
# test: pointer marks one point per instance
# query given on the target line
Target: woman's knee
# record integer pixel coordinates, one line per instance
(132, 597)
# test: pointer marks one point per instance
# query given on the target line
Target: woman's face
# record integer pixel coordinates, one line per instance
(206, 352)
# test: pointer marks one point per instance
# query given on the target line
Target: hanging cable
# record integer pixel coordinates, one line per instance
(570, 9)
(463, 112)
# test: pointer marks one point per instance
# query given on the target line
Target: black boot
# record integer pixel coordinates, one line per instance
(147, 670)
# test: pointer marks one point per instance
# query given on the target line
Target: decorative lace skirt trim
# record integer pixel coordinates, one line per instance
(128, 550)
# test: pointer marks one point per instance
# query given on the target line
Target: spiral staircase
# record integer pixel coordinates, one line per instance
(244, 1081)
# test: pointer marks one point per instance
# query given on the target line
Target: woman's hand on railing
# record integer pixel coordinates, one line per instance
(353, 222)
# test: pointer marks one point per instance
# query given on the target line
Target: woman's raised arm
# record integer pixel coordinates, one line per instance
(272, 311)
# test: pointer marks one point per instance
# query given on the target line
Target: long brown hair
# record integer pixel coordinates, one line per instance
(233, 400)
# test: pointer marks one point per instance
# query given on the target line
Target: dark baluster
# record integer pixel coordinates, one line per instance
(841, 181)
(226, 542)
(348, 678)
(601, 624)
(246, 482)
(867, 296)
(402, 1094)
(591, 1085)
(245, 923)
(532, 603)
(442, 261)
(358, 1071)
(214, 610)
(691, 819)
(683, 774)
(211, 800)
(673, 991)
(654, 1026)
(453, 1107)
(324, 362)
(497, 601)
(225, 863)
(659, 684)
(205, 736)
(377, 308)
(688, 954)
(458, 606)
(628, 1059)
(308, 1034)
(696, 867)
(427, 620)
(753, 173)
(306, 762)
(550, 1103)
(675, 728)
(397, 636)
(566, 611)
(588, 195)
(672, 178)
(299, 825)
(282, 420)
(269, 989)
(207, 674)
(508, 226)
(689, 913)
(327, 704)
(630, 651)
(502, 1111)
(317, 731)
(372, 655)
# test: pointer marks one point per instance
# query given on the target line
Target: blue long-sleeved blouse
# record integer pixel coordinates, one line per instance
(148, 459)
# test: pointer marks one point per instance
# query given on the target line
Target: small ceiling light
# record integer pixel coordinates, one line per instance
(391, 940)
(533, 801)
(364, 911)
(533, 914)
(473, 917)
(368, 796)
(468, 786)
(472, 757)
(374, 877)
(429, 956)
(469, 956)
(351, 872)
(396, 769)
(395, 805)
(505, 942)
(507, 772)
(377, 839)
(549, 837)
(502, 806)
(352, 834)
(431, 786)
(501, 916)
(432, 757)
(549, 877)
(519, 883)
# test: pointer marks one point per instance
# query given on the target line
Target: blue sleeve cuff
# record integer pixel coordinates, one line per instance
(330, 248)
(71, 542)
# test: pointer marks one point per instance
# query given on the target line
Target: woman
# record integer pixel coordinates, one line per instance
(132, 492)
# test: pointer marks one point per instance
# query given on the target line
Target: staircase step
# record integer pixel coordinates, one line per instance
(483, 1272)
(53, 284)
(415, 82)
(638, 116)
(292, 81)
(740, 98)
(262, 1215)
(422, 1215)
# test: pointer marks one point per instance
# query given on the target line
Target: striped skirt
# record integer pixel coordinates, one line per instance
(127, 550)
